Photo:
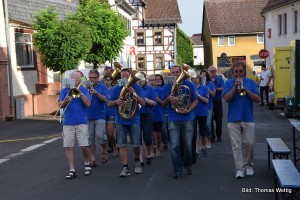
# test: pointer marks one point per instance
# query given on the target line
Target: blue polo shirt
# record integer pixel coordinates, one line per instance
(110, 110)
(240, 108)
(158, 115)
(97, 108)
(149, 93)
(212, 87)
(219, 83)
(201, 109)
(75, 113)
(173, 115)
(115, 94)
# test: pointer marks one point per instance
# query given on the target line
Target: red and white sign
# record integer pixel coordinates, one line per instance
(132, 51)
(263, 54)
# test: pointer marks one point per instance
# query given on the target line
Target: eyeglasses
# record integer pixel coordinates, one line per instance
(175, 72)
(107, 79)
(239, 71)
(92, 77)
(213, 71)
(151, 79)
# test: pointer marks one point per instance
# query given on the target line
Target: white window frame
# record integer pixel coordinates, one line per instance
(229, 41)
(29, 54)
(221, 41)
(260, 38)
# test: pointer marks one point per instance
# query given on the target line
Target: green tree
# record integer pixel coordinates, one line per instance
(108, 31)
(61, 44)
(184, 49)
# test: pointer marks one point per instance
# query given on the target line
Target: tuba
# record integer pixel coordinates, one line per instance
(241, 89)
(182, 92)
(129, 108)
(116, 73)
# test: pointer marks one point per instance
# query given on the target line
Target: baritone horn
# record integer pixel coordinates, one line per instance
(182, 92)
(128, 109)
(116, 73)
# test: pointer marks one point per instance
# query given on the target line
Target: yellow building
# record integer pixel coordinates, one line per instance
(233, 31)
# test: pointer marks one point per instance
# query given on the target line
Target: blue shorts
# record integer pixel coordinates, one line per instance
(110, 119)
(133, 130)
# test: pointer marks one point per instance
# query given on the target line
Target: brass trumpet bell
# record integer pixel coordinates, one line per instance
(117, 73)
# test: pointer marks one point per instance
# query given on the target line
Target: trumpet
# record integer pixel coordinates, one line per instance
(241, 89)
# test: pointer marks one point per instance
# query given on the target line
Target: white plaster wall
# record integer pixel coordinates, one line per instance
(276, 40)
(199, 52)
(23, 81)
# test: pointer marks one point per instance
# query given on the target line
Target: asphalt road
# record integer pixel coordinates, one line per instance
(39, 173)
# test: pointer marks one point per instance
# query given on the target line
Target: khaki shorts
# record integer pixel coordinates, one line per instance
(79, 131)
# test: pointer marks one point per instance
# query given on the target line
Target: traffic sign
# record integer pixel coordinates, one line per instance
(263, 54)
(132, 51)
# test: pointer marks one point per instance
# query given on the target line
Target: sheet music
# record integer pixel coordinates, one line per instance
(169, 79)
(122, 82)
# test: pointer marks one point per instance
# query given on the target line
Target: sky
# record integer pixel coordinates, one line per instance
(191, 16)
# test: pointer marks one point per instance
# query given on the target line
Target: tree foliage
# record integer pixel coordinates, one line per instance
(62, 44)
(184, 49)
(108, 31)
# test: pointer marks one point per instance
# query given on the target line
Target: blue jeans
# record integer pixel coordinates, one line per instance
(181, 132)
(164, 131)
(134, 132)
(208, 123)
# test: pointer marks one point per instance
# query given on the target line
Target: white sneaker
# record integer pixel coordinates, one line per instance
(249, 172)
(137, 168)
(239, 174)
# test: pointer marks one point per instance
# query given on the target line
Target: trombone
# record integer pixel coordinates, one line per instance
(74, 93)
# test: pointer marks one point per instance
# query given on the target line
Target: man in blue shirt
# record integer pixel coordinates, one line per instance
(241, 118)
(125, 126)
(180, 126)
(97, 117)
(75, 124)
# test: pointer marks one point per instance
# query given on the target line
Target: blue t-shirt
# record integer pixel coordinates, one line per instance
(219, 83)
(173, 115)
(115, 94)
(212, 87)
(110, 110)
(158, 115)
(149, 93)
(75, 113)
(240, 108)
(97, 108)
(201, 109)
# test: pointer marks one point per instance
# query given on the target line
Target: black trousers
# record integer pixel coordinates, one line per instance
(217, 117)
(263, 89)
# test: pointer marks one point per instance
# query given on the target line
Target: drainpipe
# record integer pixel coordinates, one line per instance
(9, 57)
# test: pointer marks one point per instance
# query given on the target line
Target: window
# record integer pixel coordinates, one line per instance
(295, 21)
(260, 38)
(159, 62)
(221, 41)
(231, 41)
(279, 24)
(284, 23)
(141, 63)
(140, 38)
(24, 50)
(158, 38)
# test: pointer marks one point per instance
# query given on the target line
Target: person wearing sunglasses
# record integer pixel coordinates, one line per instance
(240, 115)
(97, 118)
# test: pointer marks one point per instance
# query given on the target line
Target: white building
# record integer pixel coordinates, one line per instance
(198, 49)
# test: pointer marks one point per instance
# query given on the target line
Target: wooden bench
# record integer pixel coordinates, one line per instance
(288, 177)
(278, 148)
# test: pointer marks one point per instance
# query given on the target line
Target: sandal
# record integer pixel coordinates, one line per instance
(116, 152)
(104, 157)
(87, 169)
(71, 175)
(94, 164)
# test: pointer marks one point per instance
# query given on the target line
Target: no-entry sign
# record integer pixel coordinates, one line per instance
(263, 54)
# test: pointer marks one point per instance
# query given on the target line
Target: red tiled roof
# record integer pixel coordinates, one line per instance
(196, 39)
(273, 4)
(235, 16)
(162, 12)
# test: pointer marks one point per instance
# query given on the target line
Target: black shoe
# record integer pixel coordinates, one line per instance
(188, 171)
(204, 152)
(261, 104)
(219, 139)
(212, 140)
(194, 159)
(165, 147)
(148, 161)
(177, 175)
